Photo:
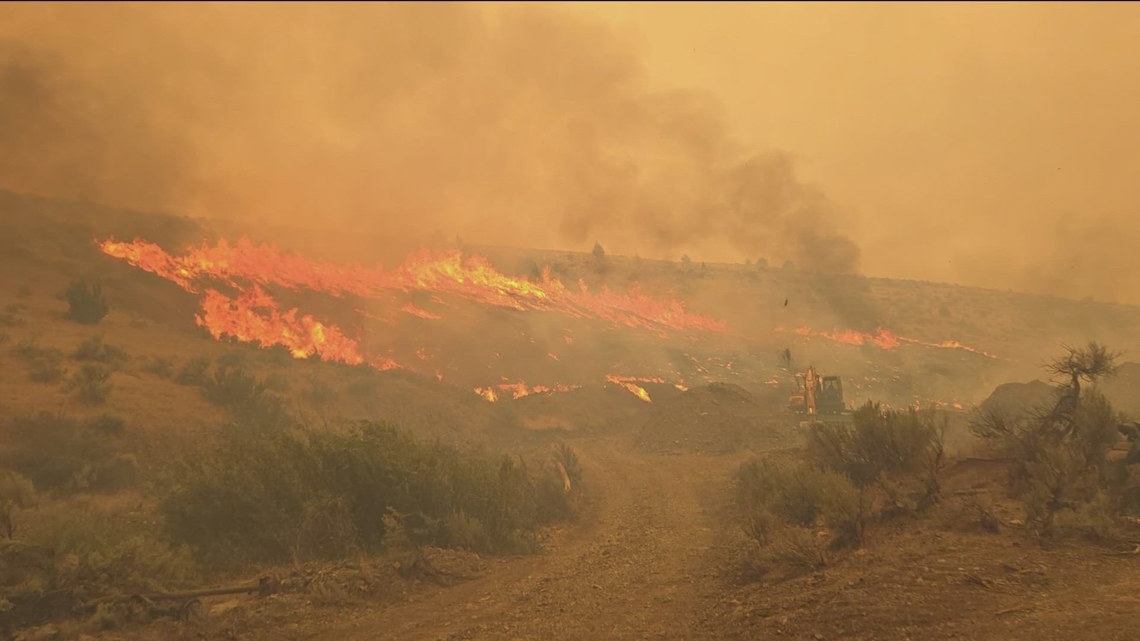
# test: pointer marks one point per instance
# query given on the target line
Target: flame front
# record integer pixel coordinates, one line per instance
(471, 277)
(519, 390)
(253, 317)
(882, 338)
(252, 314)
(630, 383)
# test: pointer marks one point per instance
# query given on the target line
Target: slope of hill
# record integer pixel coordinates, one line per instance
(956, 343)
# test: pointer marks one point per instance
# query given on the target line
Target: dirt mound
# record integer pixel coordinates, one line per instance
(1016, 398)
(712, 419)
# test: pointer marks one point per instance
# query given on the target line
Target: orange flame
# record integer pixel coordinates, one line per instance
(882, 338)
(409, 308)
(253, 317)
(471, 277)
(630, 383)
(519, 390)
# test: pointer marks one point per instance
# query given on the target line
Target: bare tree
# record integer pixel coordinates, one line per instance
(1077, 365)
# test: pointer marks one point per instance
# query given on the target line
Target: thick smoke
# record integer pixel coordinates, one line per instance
(516, 125)
(61, 136)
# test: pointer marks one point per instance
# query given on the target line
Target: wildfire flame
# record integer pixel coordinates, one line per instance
(250, 313)
(253, 315)
(882, 338)
(449, 272)
(519, 390)
(409, 308)
(630, 383)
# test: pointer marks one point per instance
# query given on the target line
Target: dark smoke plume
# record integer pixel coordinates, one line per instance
(513, 125)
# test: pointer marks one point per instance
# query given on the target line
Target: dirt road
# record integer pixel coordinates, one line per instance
(640, 565)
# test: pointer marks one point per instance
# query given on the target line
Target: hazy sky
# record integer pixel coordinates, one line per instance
(961, 141)
(980, 143)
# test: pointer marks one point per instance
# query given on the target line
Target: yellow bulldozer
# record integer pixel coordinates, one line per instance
(818, 398)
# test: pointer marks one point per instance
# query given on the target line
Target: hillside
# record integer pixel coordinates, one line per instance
(662, 377)
(47, 243)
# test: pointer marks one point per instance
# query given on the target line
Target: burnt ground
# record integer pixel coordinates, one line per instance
(655, 555)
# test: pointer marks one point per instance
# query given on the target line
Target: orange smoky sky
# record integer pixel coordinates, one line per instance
(985, 144)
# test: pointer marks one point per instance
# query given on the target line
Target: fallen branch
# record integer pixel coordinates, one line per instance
(263, 587)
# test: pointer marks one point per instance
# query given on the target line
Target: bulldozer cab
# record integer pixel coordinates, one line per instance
(830, 398)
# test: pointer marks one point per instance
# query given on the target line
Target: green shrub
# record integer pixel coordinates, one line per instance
(43, 364)
(195, 371)
(59, 453)
(1061, 469)
(320, 393)
(247, 397)
(798, 495)
(46, 368)
(106, 424)
(160, 366)
(231, 386)
(94, 349)
(16, 493)
(29, 348)
(85, 302)
(787, 552)
(565, 457)
(68, 558)
(11, 318)
(91, 384)
(278, 496)
(900, 452)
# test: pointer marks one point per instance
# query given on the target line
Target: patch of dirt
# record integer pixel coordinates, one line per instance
(652, 557)
(712, 419)
(589, 408)
(641, 564)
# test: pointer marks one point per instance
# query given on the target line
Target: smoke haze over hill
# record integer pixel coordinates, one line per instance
(874, 137)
